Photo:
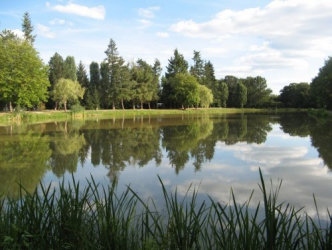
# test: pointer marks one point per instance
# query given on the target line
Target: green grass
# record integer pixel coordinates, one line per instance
(98, 218)
(51, 115)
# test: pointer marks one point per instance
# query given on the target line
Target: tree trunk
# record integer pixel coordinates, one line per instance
(113, 104)
(10, 107)
(141, 105)
(134, 105)
(149, 105)
(122, 104)
(65, 104)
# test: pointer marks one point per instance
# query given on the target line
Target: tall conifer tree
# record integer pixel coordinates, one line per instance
(27, 28)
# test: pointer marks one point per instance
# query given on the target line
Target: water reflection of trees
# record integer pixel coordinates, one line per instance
(181, 140)
(24, 159)
(116, 146)
(319, 131)
(119, 143)
(65, 144)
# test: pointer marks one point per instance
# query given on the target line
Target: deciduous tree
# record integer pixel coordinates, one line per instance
(186, 89)
(241, 94)
(66, 90)
(205, 96)
(23, 76)
(321, 86)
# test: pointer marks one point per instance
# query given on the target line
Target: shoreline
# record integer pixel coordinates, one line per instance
(7, 118)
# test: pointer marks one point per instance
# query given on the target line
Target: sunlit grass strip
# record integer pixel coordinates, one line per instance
(97, 218)
(51, 115)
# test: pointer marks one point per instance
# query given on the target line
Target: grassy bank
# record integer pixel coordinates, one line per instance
(51, 115)
(93, 219)
(320, 113)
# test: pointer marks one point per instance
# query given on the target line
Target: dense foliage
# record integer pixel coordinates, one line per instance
(23, 76)
(114, 83)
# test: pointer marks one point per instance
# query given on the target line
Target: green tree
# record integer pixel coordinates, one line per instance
(66, 90)
(205, 96)
(197, 69)
(82, 76)
(23, 76)
(83, 79)
(224, 94)
(258, 94)
(69, 68)
(209, 78)
(155, 87)
(296, 95)
(186, 90)
(232, 83)
(176, 65)
(241, 94)
(125, 86)
(55, 74)
(321, 86)
(104, 85)
(116, 73)
(94, 75)
(93, 90)
(142, 75)
(27, 28)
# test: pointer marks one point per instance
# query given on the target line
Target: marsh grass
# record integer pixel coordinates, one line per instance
(95, 217)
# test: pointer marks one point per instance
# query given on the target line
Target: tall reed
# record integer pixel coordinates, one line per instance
(96, 217)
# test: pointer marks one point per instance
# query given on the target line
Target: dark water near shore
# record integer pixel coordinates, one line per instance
(211, 152)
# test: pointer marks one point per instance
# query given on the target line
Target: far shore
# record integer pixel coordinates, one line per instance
(7, 118)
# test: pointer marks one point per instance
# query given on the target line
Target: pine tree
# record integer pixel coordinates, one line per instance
(176, 65)
(114, 62)
(197, 69)
(209, 78)
(82, 76)
(83, 80)
(27, 28)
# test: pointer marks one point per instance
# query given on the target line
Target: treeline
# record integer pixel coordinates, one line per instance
(25, 81)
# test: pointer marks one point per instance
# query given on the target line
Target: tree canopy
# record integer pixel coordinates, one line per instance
(321, 86)
(67, 90)
(296, 95)
(23, 75)
(115, 83)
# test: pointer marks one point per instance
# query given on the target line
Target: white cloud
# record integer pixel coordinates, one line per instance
(144, 23)
(148, 12)
(19, 33)
(44, 31)
(98, 12)
(162, 34)
(57, 21)
(289, 31)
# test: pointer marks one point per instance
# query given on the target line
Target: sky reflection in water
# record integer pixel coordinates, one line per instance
(212, 152)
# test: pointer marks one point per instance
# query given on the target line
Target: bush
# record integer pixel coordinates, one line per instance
(77, 108)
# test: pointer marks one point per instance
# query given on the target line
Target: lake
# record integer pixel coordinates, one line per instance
(211, 152)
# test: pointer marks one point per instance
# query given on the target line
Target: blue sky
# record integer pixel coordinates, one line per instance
(284, 41)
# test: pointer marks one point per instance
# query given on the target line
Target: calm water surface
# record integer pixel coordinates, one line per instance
(211, 152)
